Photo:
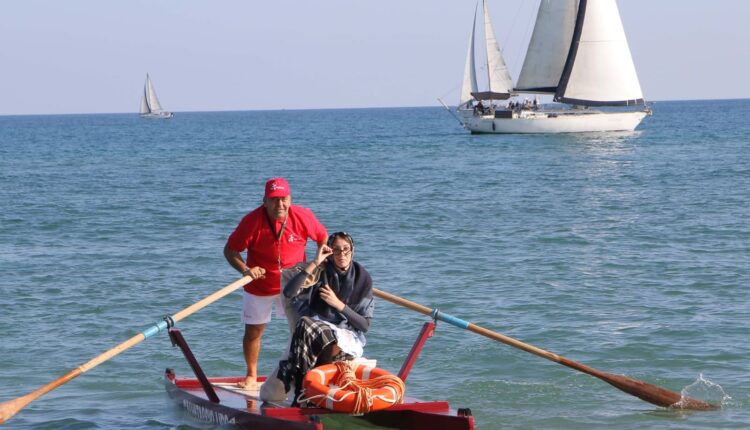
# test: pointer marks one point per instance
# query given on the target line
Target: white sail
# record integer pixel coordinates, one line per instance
(150, 106)
(152, 100)
(600, 69)
(499, 78)
(549, 46)
(144, 105)
(470, 75)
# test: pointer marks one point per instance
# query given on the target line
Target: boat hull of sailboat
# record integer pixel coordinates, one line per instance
(560, 121)
(158, 115)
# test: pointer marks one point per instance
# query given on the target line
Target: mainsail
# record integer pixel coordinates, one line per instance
(500, 83)
(599, 70)
(144, 106)
(549, 46)
(150, 96)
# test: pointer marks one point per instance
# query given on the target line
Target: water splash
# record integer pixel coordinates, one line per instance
(706, 390)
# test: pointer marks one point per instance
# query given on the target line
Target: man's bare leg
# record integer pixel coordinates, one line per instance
(251, 350)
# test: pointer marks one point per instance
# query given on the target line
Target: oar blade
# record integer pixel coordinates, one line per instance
(11, 407)
(654, 394)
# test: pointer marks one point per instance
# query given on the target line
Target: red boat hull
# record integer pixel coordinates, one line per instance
(219, 401)
(247, 412)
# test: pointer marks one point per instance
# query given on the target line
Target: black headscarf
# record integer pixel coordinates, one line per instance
(352, 286)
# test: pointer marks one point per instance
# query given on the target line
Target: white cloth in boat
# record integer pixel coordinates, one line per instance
(351, 342)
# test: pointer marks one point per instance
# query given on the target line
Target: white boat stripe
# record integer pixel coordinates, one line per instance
(321, 374)
(330, 399)
(366, 373)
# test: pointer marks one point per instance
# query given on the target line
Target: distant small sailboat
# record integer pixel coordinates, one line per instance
(579, 53)
(150, 106)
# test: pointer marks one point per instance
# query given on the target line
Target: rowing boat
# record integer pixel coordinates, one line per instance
(218, 400)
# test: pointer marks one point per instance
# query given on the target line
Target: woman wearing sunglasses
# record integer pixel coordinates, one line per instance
(335, 311)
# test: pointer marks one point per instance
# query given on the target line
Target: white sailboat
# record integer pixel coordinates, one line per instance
(150, 106)
(579, 53)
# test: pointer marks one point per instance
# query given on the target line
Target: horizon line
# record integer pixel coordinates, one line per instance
(319, 109)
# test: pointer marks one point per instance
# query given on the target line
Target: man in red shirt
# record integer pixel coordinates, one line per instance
(275, 235)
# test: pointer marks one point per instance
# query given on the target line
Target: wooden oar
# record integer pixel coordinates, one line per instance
(651, 393)
(11, 407)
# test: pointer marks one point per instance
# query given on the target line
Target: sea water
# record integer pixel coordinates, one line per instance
(628, 252)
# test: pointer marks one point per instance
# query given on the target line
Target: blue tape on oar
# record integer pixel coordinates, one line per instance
(156, 328)
(450, 319)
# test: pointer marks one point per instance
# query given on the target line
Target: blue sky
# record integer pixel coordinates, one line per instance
(85, 56)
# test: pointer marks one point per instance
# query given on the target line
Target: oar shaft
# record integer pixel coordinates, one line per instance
(648, 392)
(403, 302)
(458, 322)
(11, 407)
(211, 298)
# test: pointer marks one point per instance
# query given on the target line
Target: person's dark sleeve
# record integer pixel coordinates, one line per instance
(360, 318)
(293, 286)
(356, 320)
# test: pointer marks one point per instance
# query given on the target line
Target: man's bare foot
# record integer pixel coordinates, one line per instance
(250, 384)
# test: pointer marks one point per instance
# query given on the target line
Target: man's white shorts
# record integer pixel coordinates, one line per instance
(257, 309)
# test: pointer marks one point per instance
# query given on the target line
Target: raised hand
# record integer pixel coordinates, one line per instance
(327, 294)
(323, 252)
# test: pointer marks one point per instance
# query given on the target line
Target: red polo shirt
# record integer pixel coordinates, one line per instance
(266, 249)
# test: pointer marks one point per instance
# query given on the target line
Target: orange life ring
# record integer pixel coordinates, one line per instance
(351, 388)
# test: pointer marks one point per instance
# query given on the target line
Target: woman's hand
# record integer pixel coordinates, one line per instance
(323, 253)
(327, 294)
